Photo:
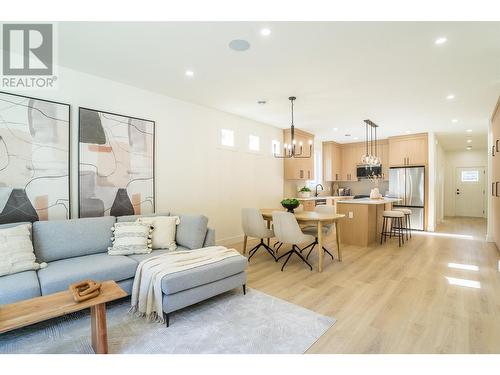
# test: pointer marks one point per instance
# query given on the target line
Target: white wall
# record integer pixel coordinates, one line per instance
(440, 178)
(193, 175)
(454, 159)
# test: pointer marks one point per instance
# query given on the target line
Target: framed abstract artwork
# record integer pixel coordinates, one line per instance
(34, 159)
(116, 164)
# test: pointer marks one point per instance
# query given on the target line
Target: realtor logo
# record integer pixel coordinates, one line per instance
(28, 56)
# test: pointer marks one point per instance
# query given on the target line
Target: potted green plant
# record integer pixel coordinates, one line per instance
(290, 204)
(305, 192)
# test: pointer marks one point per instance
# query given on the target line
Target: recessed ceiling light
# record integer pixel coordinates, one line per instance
(189, 73)
(454, 121)
(469, 141)
(440, 40)
(265, 31)
(450, 97)
(469, 130)
(355, 138)
(239, 45)
(468, 148)
(261, 102)
(335, 129)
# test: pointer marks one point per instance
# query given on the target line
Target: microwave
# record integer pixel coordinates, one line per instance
(365, 171)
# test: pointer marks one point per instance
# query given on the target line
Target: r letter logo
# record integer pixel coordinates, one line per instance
(28, 56)
(28, 49)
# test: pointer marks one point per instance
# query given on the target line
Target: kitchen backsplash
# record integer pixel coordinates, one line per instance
(357, 187)
(364, 187)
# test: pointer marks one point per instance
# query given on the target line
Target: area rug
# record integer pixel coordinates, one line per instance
(230, 323)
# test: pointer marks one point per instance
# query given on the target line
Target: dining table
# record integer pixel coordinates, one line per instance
(318, 219)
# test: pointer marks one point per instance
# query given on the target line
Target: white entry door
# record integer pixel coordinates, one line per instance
(470, 192)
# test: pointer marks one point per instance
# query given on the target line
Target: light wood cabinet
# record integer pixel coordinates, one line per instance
(494, 189)
(332, 161)
(408, 150)
(299, 168)
(384, 158)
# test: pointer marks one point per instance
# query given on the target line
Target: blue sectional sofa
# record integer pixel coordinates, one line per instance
(76, 250)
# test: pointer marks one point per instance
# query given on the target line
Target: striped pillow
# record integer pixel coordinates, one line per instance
(131, 238)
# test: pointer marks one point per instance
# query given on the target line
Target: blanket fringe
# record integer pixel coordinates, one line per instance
(153, 317)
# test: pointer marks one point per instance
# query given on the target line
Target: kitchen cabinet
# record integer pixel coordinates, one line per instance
(494, 154)
(299, 168)
(351, 157)
(408, 150)
(332, 161)
(383, 154)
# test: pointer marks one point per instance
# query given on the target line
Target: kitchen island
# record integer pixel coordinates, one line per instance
(363, 219)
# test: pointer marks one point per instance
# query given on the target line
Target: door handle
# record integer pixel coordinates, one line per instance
(497, 144)
(301, 174)
(492, 189)
(493, 150)
(496, 189)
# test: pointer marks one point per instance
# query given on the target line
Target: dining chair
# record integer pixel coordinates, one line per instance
(313, 230)
(287, 230)
(277, 245)
(255, 226)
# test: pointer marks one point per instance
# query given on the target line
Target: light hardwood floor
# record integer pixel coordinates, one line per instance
(398, 300)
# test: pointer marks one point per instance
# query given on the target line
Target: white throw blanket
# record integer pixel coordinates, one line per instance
(147, 293)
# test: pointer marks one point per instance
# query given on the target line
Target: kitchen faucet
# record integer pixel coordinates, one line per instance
(316, 189)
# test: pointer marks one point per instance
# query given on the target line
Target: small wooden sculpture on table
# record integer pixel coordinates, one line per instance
(85, 290)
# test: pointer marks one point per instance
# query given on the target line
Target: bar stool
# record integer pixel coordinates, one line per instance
(397, 228)
(407, 221)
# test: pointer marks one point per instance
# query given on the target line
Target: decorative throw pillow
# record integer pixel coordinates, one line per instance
(16, 250)
(164, 230)
(131, 238)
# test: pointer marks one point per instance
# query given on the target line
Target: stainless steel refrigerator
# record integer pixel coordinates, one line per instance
(408, 184)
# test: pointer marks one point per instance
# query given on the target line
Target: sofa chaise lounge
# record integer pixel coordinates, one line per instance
(76, 249)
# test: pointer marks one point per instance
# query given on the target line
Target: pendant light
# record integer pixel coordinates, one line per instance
(370, 157)
(290, 151)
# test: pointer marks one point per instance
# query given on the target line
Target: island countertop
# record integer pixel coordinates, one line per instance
(385, 200)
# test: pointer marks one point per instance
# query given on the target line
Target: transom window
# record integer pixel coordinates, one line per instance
(470, 176)
(253, 143)
(227, 137)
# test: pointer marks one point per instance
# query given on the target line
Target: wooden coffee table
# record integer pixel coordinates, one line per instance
(35, 310)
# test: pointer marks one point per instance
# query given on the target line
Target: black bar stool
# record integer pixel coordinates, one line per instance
(407, 221)
(396, 226)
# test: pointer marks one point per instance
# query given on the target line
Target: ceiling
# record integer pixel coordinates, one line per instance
(341, 72)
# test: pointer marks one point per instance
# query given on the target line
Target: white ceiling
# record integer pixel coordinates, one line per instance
(341, 72)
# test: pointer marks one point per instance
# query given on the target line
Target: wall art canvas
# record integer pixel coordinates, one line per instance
(34, 159)
(116, 164)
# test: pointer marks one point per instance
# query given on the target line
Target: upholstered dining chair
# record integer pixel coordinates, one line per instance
(313, 230)
(277, 245)
(287, 230)
(254, 226)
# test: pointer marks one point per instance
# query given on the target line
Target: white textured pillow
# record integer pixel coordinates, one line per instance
(131, 238)
(164, 230)
(16, 250)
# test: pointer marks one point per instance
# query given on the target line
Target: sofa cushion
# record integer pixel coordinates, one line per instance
(127, 218)
(100, 267)
(140, 257)
(205, 274)
(62, 239)
(19, 286)
(191, 231)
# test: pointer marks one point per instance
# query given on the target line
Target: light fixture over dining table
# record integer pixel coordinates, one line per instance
(293, 150)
